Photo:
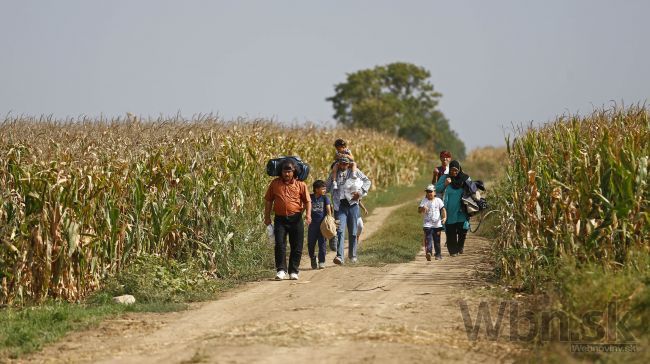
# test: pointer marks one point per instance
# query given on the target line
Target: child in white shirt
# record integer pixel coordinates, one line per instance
(434, 216)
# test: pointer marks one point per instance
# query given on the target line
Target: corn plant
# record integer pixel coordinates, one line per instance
(576, 188)
(79, 199)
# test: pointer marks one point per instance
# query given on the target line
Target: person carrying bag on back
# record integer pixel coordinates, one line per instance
(288, 197)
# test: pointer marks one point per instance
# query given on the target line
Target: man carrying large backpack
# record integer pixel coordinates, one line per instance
(288, 197)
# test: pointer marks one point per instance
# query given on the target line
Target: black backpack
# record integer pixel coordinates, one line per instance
(274, 167)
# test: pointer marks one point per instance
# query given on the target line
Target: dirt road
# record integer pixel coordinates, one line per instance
(402, 313)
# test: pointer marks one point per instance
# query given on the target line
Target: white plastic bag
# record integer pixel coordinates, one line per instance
(351, 186)
(270, 234)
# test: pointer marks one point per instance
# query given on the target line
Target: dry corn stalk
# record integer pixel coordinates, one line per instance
(577, 187)
(79, 199)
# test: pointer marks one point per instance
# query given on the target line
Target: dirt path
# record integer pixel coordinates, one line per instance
(343, 314)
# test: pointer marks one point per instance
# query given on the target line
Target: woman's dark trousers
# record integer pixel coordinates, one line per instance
(455, 237)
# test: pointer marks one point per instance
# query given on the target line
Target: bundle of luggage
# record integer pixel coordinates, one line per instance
(274, 167)
(472, 199)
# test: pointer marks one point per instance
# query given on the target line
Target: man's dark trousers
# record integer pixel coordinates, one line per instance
(293, 227)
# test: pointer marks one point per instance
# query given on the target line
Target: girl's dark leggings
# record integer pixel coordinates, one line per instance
(432, 238)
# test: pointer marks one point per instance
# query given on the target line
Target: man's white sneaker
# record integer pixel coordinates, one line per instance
(280, 275)
(293, 276)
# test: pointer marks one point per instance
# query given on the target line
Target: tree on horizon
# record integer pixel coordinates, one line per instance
(396, 98)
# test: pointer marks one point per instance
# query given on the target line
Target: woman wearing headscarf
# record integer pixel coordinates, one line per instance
(457, 223)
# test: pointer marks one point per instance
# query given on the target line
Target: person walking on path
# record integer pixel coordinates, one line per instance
(320, 207)
(457, 223)
(288, 197)
(433, 216)
(441, 170)
(352, 185)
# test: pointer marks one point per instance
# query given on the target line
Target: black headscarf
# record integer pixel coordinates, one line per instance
(458, 181)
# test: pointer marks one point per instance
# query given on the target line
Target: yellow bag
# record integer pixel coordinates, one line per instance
(328, 227)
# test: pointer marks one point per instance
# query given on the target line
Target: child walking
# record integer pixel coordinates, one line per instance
(320, 207)
(434, 216)
(342, 150)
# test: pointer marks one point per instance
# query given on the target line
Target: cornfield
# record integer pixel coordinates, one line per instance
(577, 188)
(79, 199)
(486, 163)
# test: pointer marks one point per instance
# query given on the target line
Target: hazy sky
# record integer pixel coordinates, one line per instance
(495, 62)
